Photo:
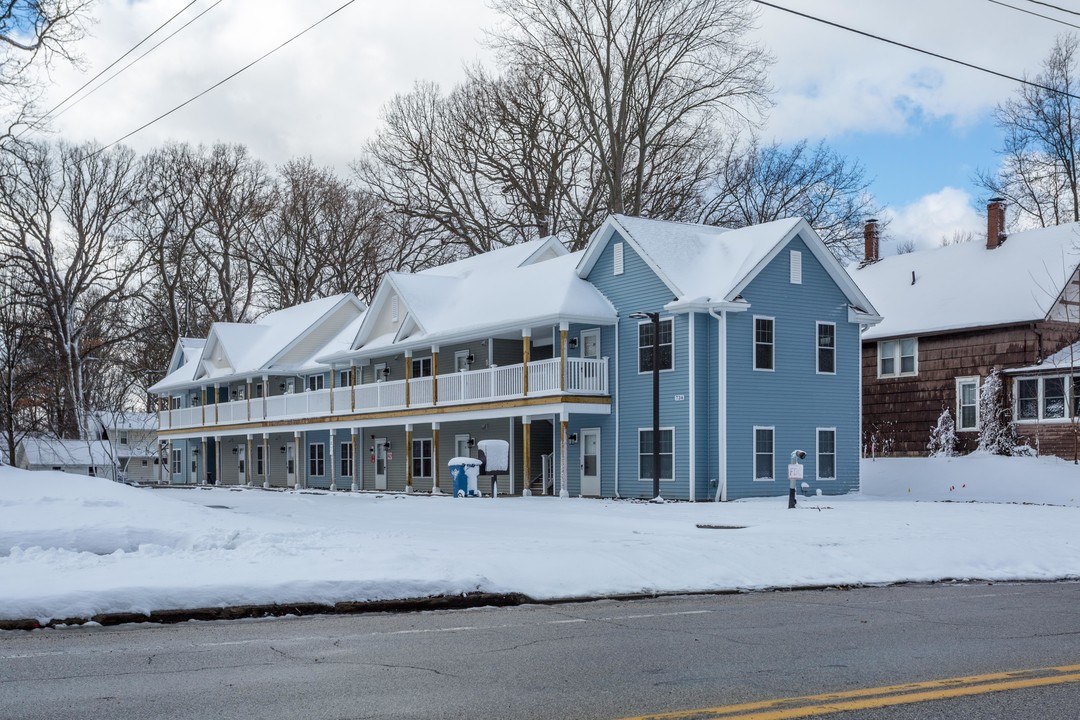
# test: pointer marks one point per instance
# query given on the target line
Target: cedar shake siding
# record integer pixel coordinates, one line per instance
(898, 412)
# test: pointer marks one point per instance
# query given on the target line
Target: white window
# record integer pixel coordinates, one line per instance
(346, 459)
(257, 390)
(421, 458)
(796, 267)
(421, 367)
(315, 382)
(617, 258)
(898, 357)
(764, 453)
(967, 403)
(826, 348)
(316, 459)
(123, 437)
(260, 460)
(826, 453)
(1054, 397)
(667, 454)
(462, 360)
(343, 378)
(177, 460)
(645, 345)
(175, 402)
(764, 343)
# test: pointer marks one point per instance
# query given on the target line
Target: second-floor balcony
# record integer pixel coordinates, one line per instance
(543, 378)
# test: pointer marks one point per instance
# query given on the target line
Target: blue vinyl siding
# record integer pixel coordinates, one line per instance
(794, 398)
(639, 288)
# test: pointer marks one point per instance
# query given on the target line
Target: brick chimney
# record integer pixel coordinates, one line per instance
(871, 242)
(995, 222)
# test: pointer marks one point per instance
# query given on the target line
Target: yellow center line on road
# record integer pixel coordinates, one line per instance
(870, 698)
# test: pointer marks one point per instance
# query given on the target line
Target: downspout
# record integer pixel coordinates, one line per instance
(693, 405)
(617, 414)
(721, 399)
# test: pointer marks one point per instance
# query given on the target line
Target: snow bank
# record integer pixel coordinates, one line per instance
(74, 546)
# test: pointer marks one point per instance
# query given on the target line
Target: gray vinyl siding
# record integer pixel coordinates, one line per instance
(507, 352)
(639, 288)
(793, 398)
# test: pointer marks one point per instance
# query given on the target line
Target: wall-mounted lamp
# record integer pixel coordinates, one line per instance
(386, 445)
(282, 449)
(572, 438)
(471, 443)
(386, 371)
(470, 359)
(233, 394)
(195, 451)
(572, 343)
(281, 386)
(234, 451)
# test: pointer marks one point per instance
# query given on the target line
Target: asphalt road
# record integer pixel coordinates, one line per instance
(591, 660)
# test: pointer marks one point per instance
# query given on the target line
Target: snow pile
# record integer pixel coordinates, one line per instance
(74, 546)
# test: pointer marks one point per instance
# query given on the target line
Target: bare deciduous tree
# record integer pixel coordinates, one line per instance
(1039, 176)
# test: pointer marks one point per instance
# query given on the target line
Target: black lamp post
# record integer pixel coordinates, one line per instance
(654, 318)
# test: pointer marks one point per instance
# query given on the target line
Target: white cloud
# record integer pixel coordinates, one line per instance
(932, 218)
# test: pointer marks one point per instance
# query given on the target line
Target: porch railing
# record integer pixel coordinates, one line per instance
(583, 377)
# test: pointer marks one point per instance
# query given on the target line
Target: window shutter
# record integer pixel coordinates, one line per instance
(618, 257)
(796, 267)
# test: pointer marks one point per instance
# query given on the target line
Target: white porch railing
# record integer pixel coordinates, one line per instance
(583, 377)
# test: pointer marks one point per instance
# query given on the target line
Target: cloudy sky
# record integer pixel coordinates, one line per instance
(920, 126)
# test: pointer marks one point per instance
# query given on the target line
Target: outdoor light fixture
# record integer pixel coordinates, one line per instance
(195, 451)
(471, 443)
(281, 386)
(470, 359)
(572, 438)
(572, 343)
(234, 451)
(282, 449)
(386, 371)
(654, 318)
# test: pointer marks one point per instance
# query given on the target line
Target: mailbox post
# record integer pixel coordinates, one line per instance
(794, 472)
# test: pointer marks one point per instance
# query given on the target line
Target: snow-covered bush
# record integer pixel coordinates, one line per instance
(997, 435)
(943, 436)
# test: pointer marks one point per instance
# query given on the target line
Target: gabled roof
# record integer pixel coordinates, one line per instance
(253, 347)
(511, 256)
(126, 420)
(709, 265)
(968, 286)
(54, 452)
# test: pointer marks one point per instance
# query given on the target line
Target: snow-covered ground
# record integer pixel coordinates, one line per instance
(73, 546)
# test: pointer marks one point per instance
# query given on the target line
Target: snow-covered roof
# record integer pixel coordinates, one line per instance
(126, 420)
(1068, 358)
(511, 256)
(705, 264)
(46, 451)
(969, 286)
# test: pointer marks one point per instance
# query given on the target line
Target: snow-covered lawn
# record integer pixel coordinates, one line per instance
(73, 546)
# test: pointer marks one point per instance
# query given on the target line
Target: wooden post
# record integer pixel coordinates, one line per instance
(526, 441)
(355, 457)
(265, 393)
(352, 396)
(564, 426)
(217, 396)
(435, 467)
(564, 329)
(333, 374)
(526, 356)
(248, 458)
(202, 406)
(218, 480)
(202, 462)
(266, 455)
(408, 383)
(434, 374)
(247, 396)
(299, 460)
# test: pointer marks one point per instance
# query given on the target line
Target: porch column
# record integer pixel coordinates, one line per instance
(436, 468)
(526, 465)
(564, 329)
(217, 396)
(300, 473)
(408, 382)
(202, 406)
(168, 458)
(218, 480)
(247, 396)
(333, 374)
(266, 456)
(265, 392)
(330, 458)
(202, 461)
(355, 457)
(564, 426)
(434, 374)
(249, 474)
(408, 457)
(526, 356)
(171, 403)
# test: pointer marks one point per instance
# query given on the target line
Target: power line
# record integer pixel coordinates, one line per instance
(919, 50)
(224, 80)
(1032, 12)
(105, 70)
(121, 70)
(1054, 7)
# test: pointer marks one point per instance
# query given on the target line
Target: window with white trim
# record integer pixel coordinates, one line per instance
(667, 454)
(421, 367)
(826, 348)
(645, 345)
(316, 459)
(764, 451)
(315, 382)
(346, 459)
(826, 453)
(967, 403)
(898, 358)
(123, 437)
(344, 378)
(177, 461)
(260, 460)
(764, 341)
(1053, 397)
(421, 457)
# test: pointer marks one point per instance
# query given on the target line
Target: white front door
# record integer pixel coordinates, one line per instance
(380, 463)
(590, 461)
(290, 464)
(241, 464)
